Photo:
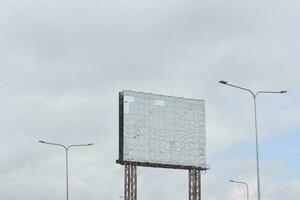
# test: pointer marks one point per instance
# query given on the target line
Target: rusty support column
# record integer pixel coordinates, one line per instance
(194, 184)
(130, 190)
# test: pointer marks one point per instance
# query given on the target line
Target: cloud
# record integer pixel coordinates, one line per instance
(63, 63)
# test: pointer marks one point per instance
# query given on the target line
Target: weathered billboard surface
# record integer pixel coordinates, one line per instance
(161, 131)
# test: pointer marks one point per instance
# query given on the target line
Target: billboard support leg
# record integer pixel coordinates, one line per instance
(194, 184)
(130, 190)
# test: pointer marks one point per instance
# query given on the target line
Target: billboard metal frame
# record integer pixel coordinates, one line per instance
(130, 176)
(143, 164)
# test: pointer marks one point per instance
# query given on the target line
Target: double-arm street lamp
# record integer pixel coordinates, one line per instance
(254, 95)
(66, 149)
(244, 183)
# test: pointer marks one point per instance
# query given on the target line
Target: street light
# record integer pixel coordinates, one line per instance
(254, 95)
(66, 149)
(244, 183)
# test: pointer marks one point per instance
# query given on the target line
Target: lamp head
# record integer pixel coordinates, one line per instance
(41, 141)
(223, 82)
(283, 91)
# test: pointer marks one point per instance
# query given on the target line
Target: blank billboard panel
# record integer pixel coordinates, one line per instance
(161, 131)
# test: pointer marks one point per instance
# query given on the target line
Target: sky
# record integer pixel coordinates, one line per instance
(62, 64)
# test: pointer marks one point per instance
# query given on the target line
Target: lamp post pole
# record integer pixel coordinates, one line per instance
(244, 183)
(254, 95)
(67, 166)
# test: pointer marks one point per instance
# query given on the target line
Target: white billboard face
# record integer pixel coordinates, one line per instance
(162, 131)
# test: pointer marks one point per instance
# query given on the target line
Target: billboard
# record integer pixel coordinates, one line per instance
(161, 131)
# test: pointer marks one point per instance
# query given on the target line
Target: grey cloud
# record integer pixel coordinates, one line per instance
(63, 63)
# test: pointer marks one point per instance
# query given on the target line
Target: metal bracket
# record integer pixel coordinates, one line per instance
(130, 189)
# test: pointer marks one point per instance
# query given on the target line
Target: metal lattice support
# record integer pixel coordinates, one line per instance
(194, 184)
(130, 192)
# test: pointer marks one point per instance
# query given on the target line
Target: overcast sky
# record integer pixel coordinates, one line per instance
(63, 62)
